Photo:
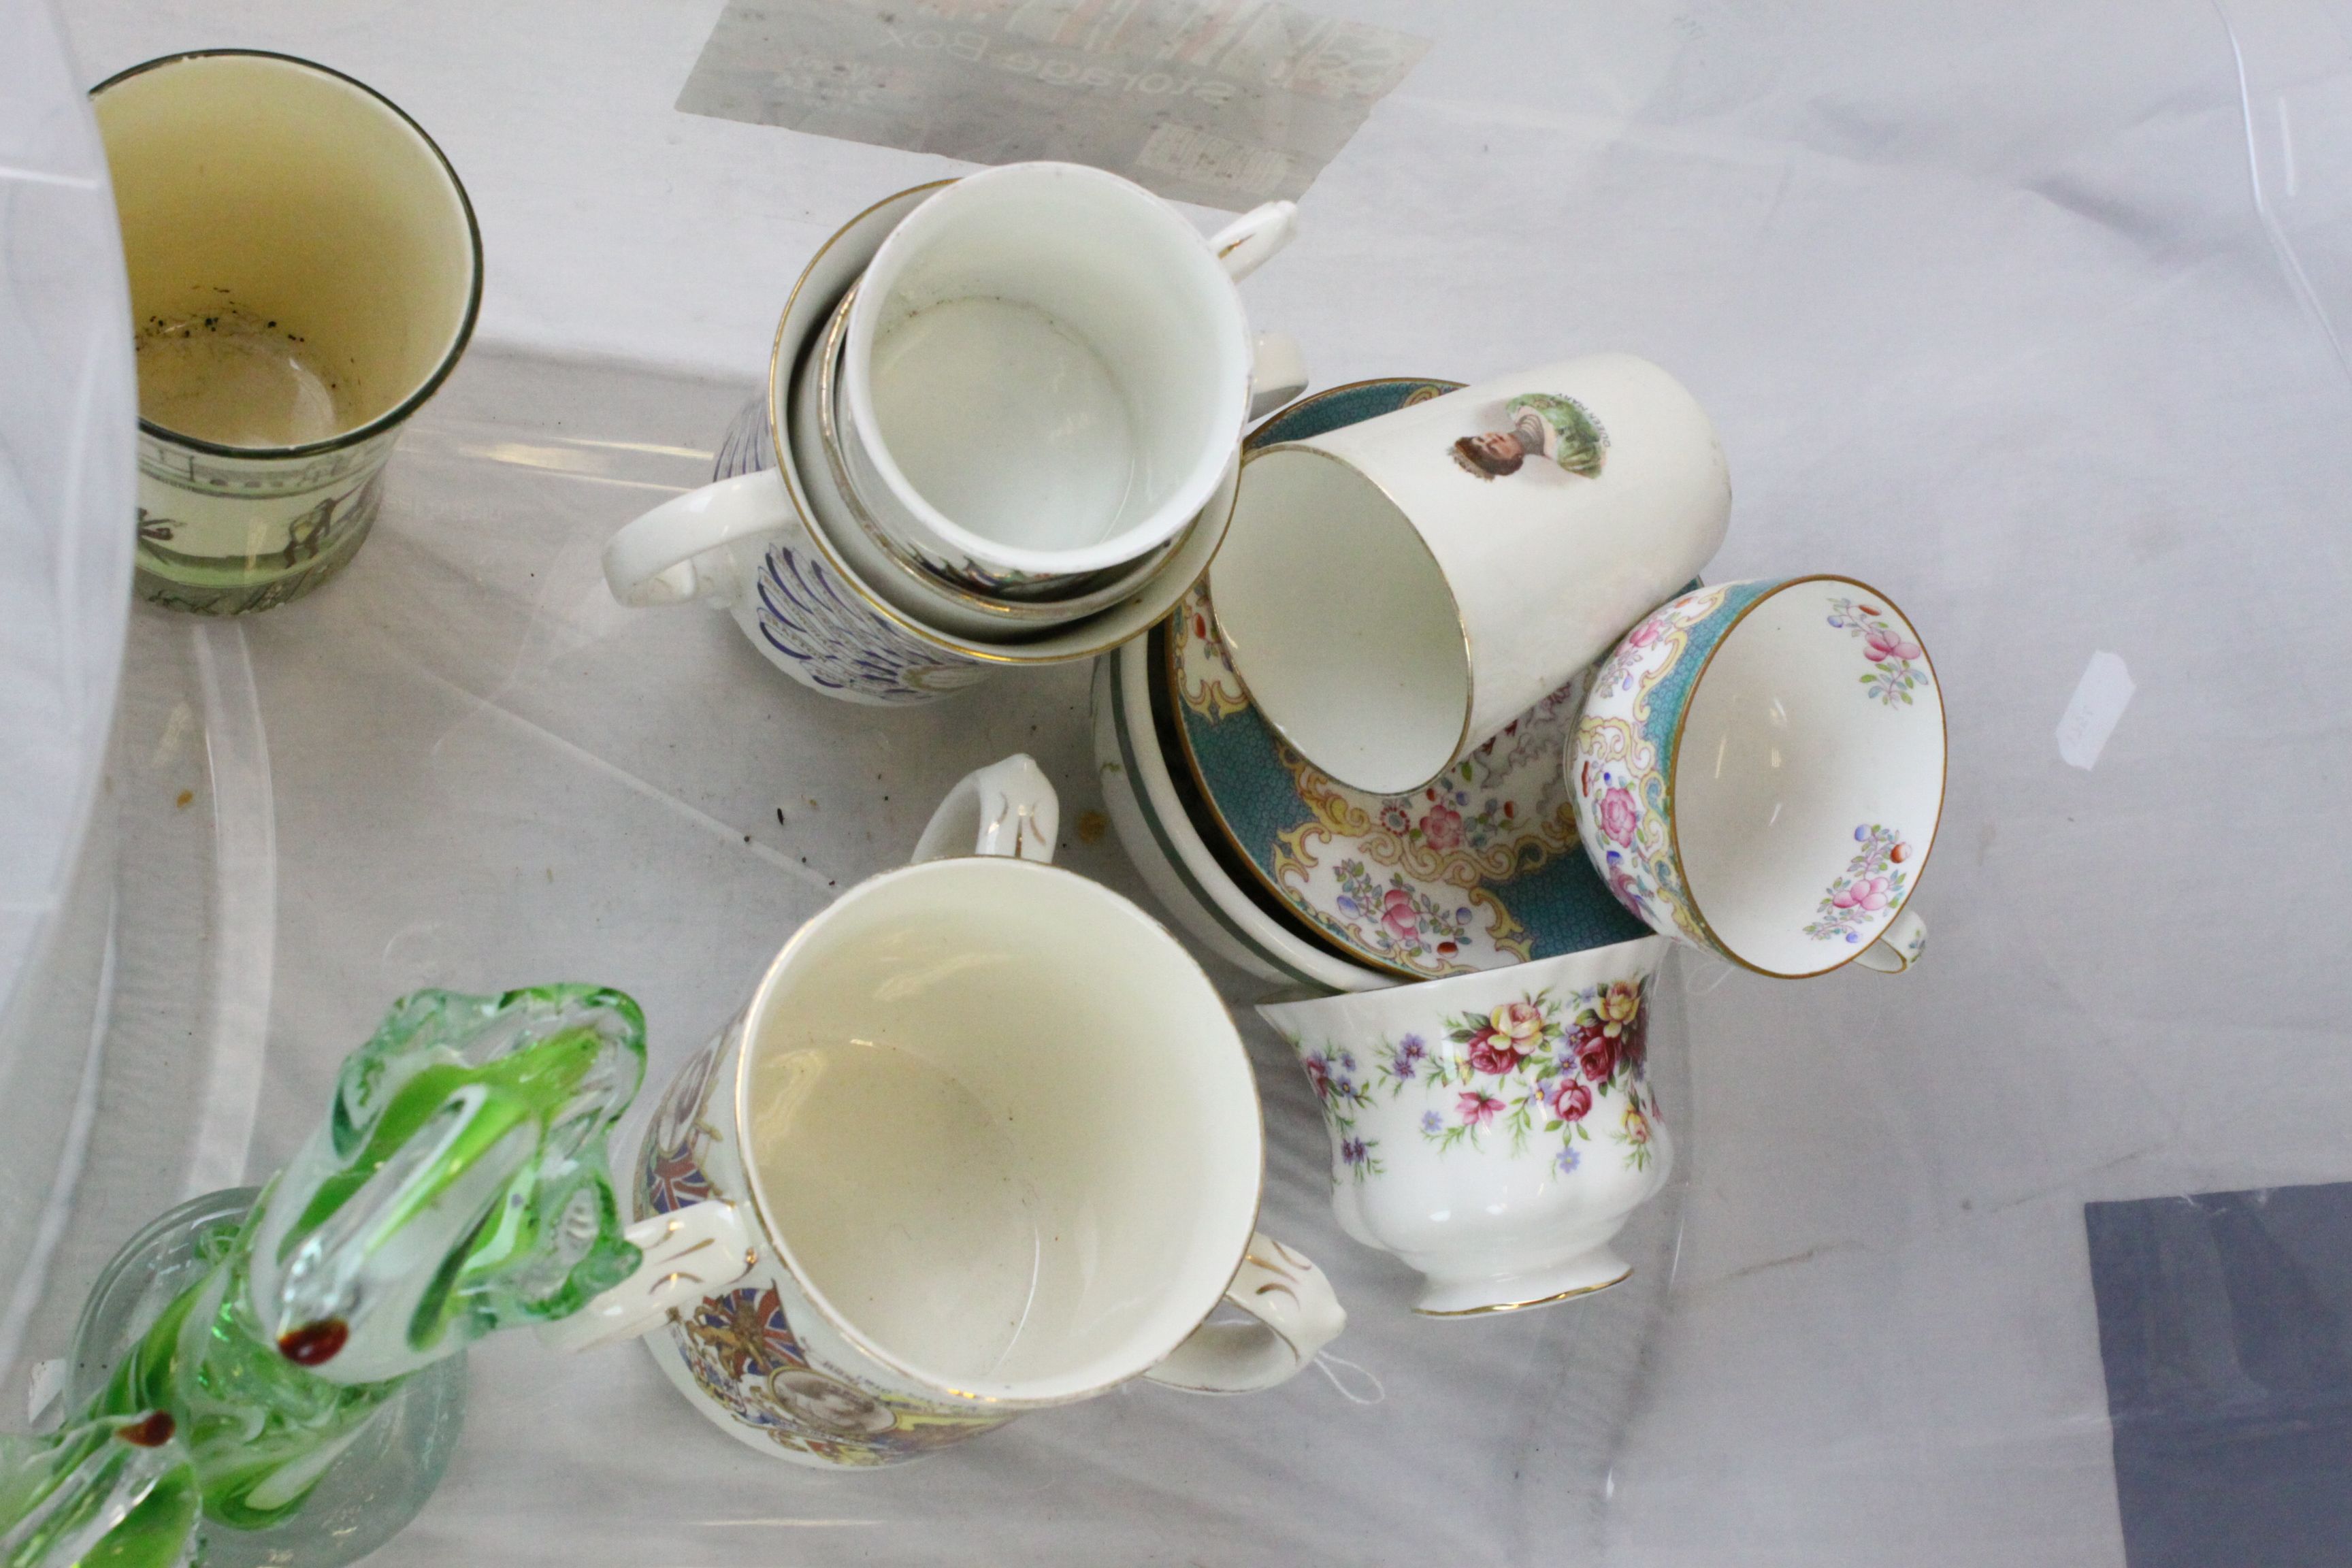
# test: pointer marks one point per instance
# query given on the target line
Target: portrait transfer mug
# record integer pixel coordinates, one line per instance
(1396, 591)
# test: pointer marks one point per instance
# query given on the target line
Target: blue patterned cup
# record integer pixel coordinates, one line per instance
(1759, 773)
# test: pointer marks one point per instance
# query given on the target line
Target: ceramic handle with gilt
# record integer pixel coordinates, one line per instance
(1005, 809)
(1898, 947)
(1296, 1312)
(688, 1253)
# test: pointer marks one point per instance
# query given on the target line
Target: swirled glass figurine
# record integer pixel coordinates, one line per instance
(458, 1185)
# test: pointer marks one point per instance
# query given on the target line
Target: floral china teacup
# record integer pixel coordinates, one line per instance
(1495, 1129)
(1759, 773)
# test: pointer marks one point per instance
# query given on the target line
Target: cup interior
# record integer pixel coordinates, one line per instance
(897, 572)
(1045, 359)
(1808, 776)
(302, 260)
(1341, 622)
(1001, 1128)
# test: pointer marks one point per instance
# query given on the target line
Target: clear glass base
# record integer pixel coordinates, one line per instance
(373, 1488)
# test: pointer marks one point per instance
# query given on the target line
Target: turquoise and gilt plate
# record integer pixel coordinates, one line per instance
(1480, 870)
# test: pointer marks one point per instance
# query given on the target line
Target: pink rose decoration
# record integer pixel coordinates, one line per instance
(1880, 646)
(1618, 816)
(1491, 1052)
(1868, 894)
(1442, 828)
(1398, 915)
(1648, 632)
(1476, 1109)
(1596, 1052)
(1568, 1099)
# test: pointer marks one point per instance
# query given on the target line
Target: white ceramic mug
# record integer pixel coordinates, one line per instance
(939, 599)
(984, 1140)
(1758, 772)
(1045, 374)
(1495, 1130)
(305, 271)
(1395, 592)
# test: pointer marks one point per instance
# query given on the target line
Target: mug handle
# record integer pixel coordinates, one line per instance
(660, 558)
(1249, 242)
(1004, 808)
(1898, 947)
(1297, 1314)
(687, 1254)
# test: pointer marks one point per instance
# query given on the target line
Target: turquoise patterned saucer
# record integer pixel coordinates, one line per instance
(1481, 869)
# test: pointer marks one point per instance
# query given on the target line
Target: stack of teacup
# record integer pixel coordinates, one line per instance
(1418, 684)
(1002, 427)
(1446, 639)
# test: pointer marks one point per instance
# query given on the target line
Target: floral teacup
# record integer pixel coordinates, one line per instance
(1759, 773)
(1493, 1129)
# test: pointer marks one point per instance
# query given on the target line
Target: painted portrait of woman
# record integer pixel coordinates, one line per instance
(1540, 425)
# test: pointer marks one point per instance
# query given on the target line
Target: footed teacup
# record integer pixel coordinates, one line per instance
(1495, 1129)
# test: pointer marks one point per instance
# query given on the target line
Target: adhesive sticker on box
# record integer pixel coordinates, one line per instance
(1227, 105)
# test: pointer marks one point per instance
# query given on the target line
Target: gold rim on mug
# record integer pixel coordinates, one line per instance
(1046, 613)
(980, 653)
(424, 391)
(773, 1234)
(1716, 944)
(1469, 653)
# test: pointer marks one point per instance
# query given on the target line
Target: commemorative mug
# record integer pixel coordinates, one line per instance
(305, 271)
(1493, 1129)
(1394, 592)
(983, 1140)
(1044, 372)
(1759, 773)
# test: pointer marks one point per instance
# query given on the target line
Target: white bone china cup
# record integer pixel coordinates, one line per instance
(1759, 773)
(1394, 592)
(1495, 1129)
(984, 1140)
(937, 599)
(1045, 374)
